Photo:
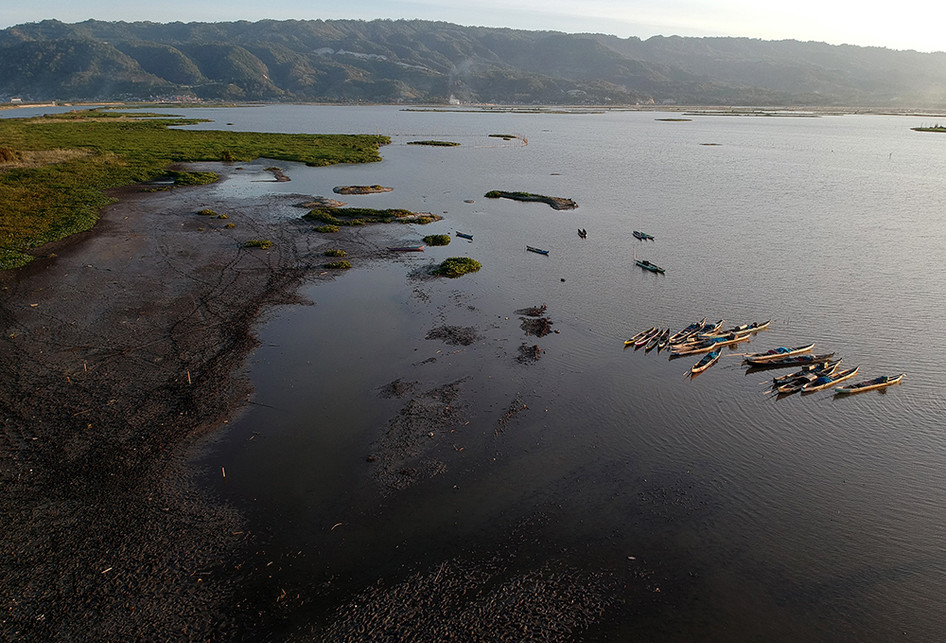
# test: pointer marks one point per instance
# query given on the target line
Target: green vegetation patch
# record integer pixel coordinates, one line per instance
(361, 216)
(326, 229)
(335, 253)
(435, 143)
(437, 239)
(457, 266)
(89, 152)
(265, 244)
(338, 265)
(935, 128)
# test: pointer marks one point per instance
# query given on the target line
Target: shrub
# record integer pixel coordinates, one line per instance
(335, 253)
(265, 244)
(207, 212)
(230, 226)
(456, 266)
(437, 239)
(338, 265)
(326, 228)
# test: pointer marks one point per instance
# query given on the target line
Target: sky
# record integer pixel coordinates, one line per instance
(895, 25)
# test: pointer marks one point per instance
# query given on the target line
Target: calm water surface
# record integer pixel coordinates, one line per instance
(810, 518)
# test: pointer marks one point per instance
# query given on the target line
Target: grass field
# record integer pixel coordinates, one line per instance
(55, 169)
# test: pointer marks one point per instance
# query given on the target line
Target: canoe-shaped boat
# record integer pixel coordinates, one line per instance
(710, 344)
(776, 353)
(643, 236)
(537, 250)
(655, 341)
(679, 336)
(869, 385)
(804, 371)
(636, 337)
(827, 381)
(754, 327)
(415, 248)
(646, 265)
(464, 235)
(582, 233)
(794, 360)
(797, 383)
(646, 338)
(708, 360)
(664, 340)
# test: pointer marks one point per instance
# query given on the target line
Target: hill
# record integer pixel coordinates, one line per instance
(413, 61)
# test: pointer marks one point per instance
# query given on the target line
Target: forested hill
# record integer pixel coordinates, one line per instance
(413, 61)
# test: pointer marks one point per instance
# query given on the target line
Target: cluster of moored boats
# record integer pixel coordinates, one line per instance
(816, 372)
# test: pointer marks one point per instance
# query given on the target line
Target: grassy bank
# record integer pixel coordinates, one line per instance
(55, 170)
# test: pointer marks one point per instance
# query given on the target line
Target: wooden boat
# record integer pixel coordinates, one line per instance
(643, 236)
(754, 327)
(646, 338)
(655, 341)
(664, 340)
(869, 385)
(537, 250)
(776, 353)
(827, 381)
(646, 265)
(710, 344)
(708, 360)
(797, 383)
(417, 248)
(464, 235)
(679, 336)
(794, 360)
(804, 371)
(636, 337)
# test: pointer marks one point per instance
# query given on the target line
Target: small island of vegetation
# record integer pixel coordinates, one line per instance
(457, 266)
(435, 143)
(265, 244)
(360, 189)
(556, 202)
(338, 265)
(363, 216)
(437, 239)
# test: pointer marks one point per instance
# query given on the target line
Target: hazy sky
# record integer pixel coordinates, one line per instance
(896, 25)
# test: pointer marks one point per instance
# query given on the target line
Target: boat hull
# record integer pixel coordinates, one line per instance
(870, 385)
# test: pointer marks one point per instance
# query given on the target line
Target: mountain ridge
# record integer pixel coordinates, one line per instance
(418, 61)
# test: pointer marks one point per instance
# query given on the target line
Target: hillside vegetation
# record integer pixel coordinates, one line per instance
(412, 61)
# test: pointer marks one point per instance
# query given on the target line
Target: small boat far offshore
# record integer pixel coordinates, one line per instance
(464, 235)
(643, 236)
(537, 250)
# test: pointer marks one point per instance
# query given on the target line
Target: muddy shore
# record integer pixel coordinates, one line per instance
(117, 353)
(125, 348)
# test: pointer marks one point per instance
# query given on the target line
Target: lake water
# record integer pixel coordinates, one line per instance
(805, 518)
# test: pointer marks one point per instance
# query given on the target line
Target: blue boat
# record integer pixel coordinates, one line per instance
(708, 360)
(643, 236)
(464, 235)
(538, 250)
